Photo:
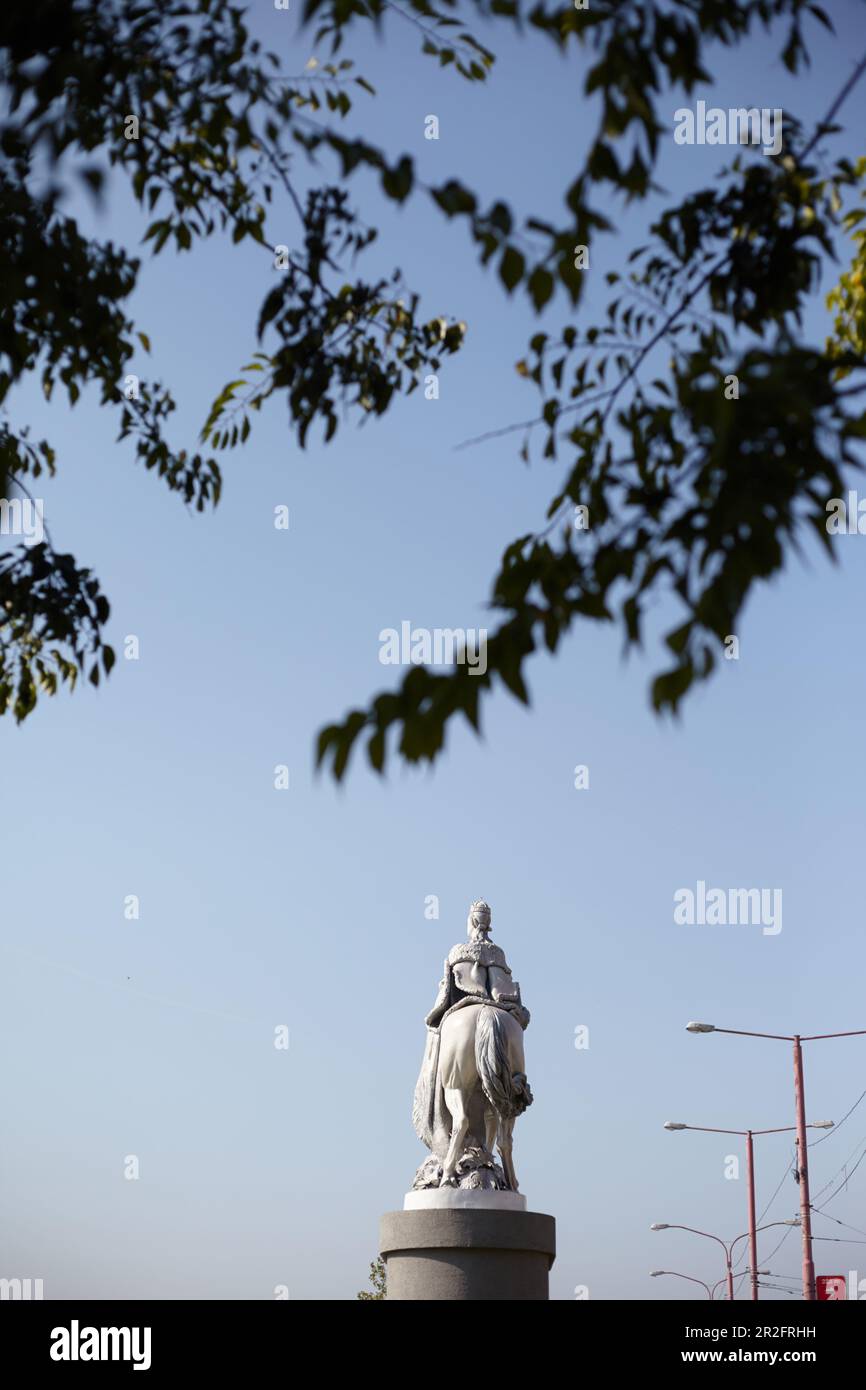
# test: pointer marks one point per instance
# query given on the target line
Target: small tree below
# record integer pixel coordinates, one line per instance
(377, 1279)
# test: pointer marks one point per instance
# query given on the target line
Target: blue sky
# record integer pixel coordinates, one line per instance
(305, 908)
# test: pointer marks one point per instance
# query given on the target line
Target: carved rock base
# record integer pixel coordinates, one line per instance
(477, 1170)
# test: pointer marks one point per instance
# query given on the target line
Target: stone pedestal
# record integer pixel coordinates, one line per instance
(467, 1253)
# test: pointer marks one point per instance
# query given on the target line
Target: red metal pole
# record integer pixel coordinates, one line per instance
(803, 1172)
(730, 1277)
(753, 1238)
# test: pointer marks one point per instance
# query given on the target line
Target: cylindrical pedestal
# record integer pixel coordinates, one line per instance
(464, 1253)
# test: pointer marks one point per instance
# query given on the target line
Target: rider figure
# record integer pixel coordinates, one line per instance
(477, 971)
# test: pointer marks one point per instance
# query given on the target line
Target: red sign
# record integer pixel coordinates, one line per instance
(831, 1286)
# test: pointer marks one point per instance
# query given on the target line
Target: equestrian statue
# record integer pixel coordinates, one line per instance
(473, 1082)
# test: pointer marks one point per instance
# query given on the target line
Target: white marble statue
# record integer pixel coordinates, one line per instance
(473, 1083)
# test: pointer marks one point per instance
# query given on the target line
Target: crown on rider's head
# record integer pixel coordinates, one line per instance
(479, 909)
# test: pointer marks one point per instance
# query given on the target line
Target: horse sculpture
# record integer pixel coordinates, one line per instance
(473, 1082)
(481, 1055)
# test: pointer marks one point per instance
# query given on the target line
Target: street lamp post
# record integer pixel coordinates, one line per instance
(800, 1107)
(809, 1291)
(670, 1226)
(753, 1239)
(748, 1135)
(727, 1246)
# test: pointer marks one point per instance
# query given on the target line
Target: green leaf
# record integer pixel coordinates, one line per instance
(511, 268)
(540, 287)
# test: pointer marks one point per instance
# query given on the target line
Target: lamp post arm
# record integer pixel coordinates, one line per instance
(709, 1235)
(817, 1037)
(746, 1033)
(676, 1274)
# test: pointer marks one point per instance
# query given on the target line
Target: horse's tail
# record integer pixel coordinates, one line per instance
(507, 1091)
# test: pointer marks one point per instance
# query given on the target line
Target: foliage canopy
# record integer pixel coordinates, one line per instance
(691, 494)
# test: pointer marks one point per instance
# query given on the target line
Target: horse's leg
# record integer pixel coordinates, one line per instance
(491, 1129)
(506, 1128)
(459, 1130)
